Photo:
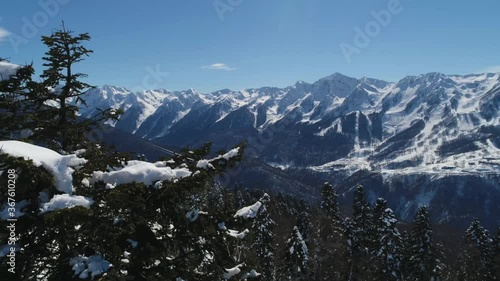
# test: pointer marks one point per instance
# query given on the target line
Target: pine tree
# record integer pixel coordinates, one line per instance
(264, 240)
(329, 204)
(351, 271)
(363, 221)
(57, 126)
(363, 235)
(328, 241)
(16, 114)
(374, 235)
(296, 258)
(389, 253)
(496, 254)
(378, 222)
(304, 224)
(424, 257)
(476, 260)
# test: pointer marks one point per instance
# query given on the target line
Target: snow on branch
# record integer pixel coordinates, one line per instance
(62, 201)
(60, 166)
(249, 211)
(206, 163)
(140, 171)
(93, 265)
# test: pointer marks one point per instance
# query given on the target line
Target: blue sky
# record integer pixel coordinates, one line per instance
(214, 44)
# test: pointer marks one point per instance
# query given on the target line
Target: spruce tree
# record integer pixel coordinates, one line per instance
(424, 257)
(262, 228)
(328, 241)
(329, 204)
(374, 235)
(296, 258)
(378, 222)
(363, 221)
(16, 114)
(304, 224)
(363, 234)
(476, 259)
(58, 126)
(496, 254)
(389, 253)
(352, 269)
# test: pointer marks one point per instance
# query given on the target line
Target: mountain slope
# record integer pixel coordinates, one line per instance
(434, 126)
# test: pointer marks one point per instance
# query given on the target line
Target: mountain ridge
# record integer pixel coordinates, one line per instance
(432, 129)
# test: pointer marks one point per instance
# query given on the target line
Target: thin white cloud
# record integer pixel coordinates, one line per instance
(3, 34)
(218, 66)
(491, 69)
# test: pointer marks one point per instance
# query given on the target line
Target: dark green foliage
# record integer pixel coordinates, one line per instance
(362, 234)
(330, 207)
(424, 257)
(295, 259)
(476, 258)
(62, 85)
(378, 222)
(496, 254)
(352, 270)
(328, 240)
(304, 224)
(169, 243)
(262, 230)
(363, 221)
(16, 114)
(389, 254)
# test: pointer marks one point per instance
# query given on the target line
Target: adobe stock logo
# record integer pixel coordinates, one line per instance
(363, 37)
(224, 6)
(31, 26)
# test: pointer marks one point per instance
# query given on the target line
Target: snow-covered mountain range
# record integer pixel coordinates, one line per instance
(426, 123)
(433, 125)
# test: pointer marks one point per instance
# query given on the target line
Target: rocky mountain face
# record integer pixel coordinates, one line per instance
(432, 139)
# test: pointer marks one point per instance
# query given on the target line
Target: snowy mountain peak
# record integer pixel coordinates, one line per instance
(337, 76)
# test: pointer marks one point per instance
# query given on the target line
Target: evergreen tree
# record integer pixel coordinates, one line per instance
(389, 253)
(363, 235)
(363, 221)
(424, 257)
(304, 224)
(496, 254)
(378, 211)
(144, 231)
(378, 222)
(330, 206)
(15, 111)
(328, 241)
(476, 260)
(296, 258)
(351, 272)
(264, 240)
(57, 126)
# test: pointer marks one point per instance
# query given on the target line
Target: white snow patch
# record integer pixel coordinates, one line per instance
(232, 271)
(249, 211)
(140, 171)
(252, 274)
(236, 234)
(93, 265)
(58, 165)
(62, 201)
